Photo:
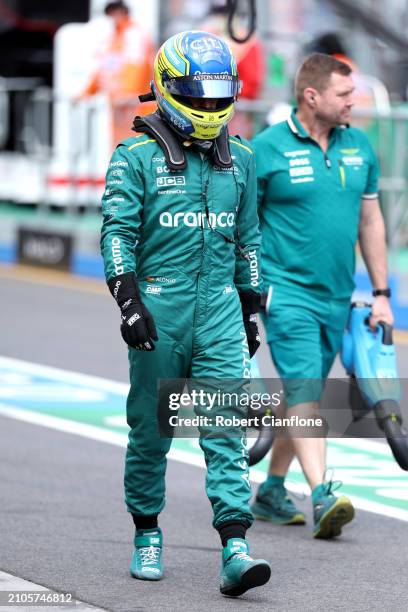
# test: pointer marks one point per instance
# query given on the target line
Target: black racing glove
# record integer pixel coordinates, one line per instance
(137, 328)
(250, 302)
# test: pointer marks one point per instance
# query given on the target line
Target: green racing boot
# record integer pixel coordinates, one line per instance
(146, 562)
(239, 572)
(330, 513)
(273, 504)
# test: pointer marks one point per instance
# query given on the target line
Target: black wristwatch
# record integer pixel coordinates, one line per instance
(386, 292)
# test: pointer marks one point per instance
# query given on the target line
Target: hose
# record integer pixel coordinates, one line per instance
(232, 6)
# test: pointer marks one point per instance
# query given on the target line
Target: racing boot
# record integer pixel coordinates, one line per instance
(146, 562)
(239, 572)
(273, 504)
(330, 513)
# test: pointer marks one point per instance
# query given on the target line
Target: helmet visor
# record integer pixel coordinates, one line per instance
(204, 86)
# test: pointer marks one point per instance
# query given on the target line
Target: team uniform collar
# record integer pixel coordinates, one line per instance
(297, 128)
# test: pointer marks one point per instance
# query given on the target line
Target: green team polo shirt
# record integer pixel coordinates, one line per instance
(309, 205)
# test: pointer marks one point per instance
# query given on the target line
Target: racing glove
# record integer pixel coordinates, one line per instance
(250, 303)
(137, 328)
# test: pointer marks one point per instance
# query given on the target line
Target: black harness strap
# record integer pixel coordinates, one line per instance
(156, 127)
(222, 153)
(153, 125)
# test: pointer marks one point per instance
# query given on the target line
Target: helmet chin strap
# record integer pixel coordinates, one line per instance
(202, 145)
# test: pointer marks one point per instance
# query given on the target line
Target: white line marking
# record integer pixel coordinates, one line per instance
(38, 392)
(8, 582)
(106, 384)
(117, 439)
(64, 425)
(102, 435)
(64, 375)
(117, 420)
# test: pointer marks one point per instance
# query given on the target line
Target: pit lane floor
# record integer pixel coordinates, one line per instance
(63, 521)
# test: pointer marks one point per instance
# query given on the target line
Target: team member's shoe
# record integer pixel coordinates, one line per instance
(273, 504)
(146, 562)
(239, 572)
(330, 513)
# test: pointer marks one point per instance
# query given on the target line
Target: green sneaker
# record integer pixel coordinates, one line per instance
(330, 513)
(273, 504)
(146, 562)
(239, 572)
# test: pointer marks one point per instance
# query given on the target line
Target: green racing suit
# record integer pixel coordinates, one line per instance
(179, 232)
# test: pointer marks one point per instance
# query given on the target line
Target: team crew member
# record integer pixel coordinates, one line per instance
(184, 193)
(123, 68)
(317, 194)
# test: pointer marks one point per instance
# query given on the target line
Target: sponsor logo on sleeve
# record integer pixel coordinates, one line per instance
(253, 266)
(117, 256)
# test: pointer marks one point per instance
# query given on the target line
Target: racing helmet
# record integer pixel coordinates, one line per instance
(197, 65)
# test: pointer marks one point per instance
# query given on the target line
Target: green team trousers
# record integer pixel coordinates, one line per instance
(201, 334)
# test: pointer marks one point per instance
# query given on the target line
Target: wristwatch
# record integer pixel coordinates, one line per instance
(386, 292)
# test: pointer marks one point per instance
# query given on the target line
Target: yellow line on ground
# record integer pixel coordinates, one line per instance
(53, 278)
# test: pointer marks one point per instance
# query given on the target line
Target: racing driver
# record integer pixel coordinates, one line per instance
(180, 242)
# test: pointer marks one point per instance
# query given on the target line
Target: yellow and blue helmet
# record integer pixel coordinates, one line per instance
(195, 65)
